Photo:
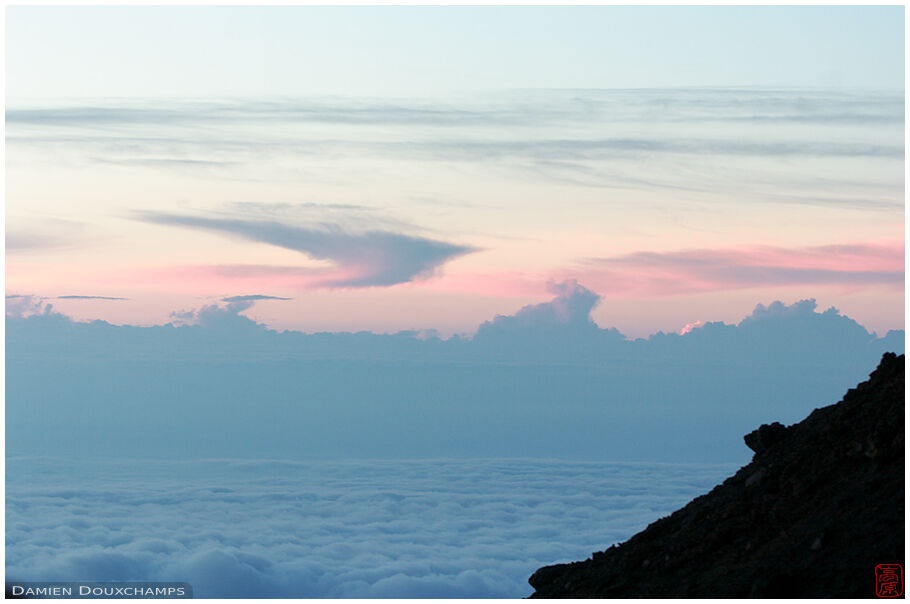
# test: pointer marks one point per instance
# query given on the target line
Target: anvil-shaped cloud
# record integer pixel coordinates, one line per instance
(372, 258)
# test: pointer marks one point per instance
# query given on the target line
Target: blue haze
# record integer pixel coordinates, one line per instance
(546, 382)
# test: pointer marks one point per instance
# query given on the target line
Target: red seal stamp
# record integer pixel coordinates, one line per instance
(889, 580)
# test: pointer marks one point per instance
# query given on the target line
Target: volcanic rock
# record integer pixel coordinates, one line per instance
(820, 505)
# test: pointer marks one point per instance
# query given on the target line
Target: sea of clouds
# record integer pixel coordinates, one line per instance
(239, 528)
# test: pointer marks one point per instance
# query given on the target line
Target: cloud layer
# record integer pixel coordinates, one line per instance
(372, 258)
(475, 528)
(592, 138)
(703, 270)
(546, 381)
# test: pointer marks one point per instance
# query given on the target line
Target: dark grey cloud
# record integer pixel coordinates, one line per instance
(373, 258)
(252, 298)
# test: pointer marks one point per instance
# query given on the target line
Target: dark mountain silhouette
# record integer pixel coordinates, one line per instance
(820, 505)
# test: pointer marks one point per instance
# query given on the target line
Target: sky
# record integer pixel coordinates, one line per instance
(507, 204)
(392, 168)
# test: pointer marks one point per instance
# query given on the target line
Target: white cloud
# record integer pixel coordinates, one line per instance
(343, 529)
(24, 305)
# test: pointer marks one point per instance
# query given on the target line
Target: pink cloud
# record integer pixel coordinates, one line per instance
(704, 270)
(653, 274)
(690, 326)
(636, 275)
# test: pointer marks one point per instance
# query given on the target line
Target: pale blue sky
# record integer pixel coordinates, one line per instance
(153, 152)
(390, 51)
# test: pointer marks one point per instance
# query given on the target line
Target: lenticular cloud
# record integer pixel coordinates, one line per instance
(362, 259)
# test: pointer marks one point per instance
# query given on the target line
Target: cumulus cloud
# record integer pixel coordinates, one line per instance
(219, 316)
(233, 528)
(24, 305)
(571, 307)
(372, 258)
(224, 315)
(688, 327)
(702, 270)
(802, 308)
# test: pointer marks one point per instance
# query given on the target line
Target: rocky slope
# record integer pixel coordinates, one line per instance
(820, 505)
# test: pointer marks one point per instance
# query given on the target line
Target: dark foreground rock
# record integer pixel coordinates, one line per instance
(820, 505)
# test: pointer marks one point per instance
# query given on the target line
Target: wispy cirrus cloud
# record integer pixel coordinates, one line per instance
(538, 117)
(703, 270)
(591, 138)
(252, 298)
(362, 259)
(533, 107)
(90, 298)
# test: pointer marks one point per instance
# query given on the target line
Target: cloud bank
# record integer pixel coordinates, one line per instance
(259, 528)
(547, 381)
(372, 258)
